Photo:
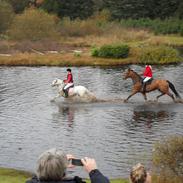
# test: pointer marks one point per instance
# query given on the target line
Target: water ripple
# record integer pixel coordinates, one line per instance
(118, 135)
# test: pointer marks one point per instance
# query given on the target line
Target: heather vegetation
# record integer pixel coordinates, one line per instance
(33, 25)
(41, 27)
(168, 160)
(158, 55)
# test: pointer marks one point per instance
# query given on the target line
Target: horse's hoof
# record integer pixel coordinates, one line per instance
(125, 101)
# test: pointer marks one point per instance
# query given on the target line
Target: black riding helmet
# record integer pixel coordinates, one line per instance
(68, 70)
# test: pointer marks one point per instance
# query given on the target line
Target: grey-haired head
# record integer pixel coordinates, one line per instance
(52, 165)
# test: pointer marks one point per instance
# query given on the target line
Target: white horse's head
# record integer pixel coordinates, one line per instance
(57, 82)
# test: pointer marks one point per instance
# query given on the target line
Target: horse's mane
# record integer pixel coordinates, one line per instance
(136, 74)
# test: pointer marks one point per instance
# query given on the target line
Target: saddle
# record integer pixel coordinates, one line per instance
(145, 84)
(66, 92)
(149, 81)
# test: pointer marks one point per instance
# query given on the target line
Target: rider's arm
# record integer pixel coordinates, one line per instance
(96, 176)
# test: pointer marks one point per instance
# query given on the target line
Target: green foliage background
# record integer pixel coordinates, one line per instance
(6, 15)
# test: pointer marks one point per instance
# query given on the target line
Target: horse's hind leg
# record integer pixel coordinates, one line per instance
(171, 95)
(160, 96)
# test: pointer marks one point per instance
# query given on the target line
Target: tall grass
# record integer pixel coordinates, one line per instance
(94, 25)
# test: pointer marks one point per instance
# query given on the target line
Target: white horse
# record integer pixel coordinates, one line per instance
(79, 91)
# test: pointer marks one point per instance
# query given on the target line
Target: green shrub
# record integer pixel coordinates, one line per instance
(168, 159)
(33, 25)
(111, 51)
(158, 54)
(167, 26)
(95, 52)
(6, 16)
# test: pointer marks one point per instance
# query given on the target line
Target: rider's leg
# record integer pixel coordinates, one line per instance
(66, 88)
(144, 84)
(143, 87)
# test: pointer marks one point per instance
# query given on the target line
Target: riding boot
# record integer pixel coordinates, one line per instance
(144, 87)
(65, 93)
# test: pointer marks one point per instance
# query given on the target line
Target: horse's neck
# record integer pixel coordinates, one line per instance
(60, 87)
(136, 78)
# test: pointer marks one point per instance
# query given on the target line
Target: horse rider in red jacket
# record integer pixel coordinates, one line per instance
(68, 82)
(147, 74)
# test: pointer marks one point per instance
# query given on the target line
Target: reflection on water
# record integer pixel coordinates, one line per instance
(68, 114)
(117, 134)
(144, 115)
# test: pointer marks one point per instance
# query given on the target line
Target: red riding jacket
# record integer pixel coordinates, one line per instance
(69, 78)
(148, 71)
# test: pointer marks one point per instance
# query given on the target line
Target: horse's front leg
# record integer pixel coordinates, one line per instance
(58, 95)
(133, 93)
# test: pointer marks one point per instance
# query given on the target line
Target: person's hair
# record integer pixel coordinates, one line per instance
(51, 165)
(69, 70)
(138, 174)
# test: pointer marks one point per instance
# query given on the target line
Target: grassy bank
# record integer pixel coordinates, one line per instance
(16, 176)
(69, 59)
(13, 176)
(64, 52)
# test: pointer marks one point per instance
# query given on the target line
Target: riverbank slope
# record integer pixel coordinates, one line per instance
(77, 51)
(17, 176)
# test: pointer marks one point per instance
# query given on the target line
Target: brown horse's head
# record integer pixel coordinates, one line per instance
(128, 74)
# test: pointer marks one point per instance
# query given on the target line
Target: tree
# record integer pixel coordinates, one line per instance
(67, 8)
(19, 5)
(98, 5)
(6, 15)
(143, 8)
(126, 8)
(179, 11)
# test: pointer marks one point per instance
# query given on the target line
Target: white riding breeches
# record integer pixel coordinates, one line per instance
(146, 79)
(68, 85)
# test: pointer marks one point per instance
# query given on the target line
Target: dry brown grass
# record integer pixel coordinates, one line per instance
(171, 40)
(112, 36)
(67, 59)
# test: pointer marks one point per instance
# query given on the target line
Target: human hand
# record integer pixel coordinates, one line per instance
(69, 157)
(89, 164)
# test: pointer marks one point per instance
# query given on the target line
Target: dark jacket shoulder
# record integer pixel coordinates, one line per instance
(76, 179)
(97, 177)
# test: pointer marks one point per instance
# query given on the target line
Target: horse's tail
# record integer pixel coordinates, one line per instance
(172, 87)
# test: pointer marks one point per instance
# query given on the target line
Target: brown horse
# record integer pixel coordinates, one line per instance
(157, 84)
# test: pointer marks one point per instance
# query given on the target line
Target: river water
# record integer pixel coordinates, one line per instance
(116, 134)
